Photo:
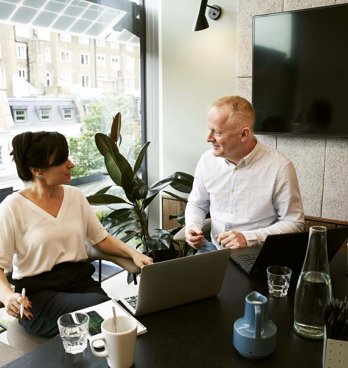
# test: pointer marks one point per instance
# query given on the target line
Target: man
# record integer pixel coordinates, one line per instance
(250, 189)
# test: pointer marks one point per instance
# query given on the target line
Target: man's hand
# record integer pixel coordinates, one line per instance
(232, 239)
(194, 237)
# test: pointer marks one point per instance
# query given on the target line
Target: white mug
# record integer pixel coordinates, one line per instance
(119, 347)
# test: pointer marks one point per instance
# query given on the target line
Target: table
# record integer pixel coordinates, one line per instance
(200, 334)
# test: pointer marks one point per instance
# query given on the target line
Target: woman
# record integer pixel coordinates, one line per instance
(43, 231)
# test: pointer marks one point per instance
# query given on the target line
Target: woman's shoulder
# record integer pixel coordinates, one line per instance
(71, 190)
(12, 201)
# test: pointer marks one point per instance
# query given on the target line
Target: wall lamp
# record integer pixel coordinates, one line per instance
(202, 22)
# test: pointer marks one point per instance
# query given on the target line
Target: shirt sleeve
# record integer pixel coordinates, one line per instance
(95, 230)
(7, 237)
(198, 201)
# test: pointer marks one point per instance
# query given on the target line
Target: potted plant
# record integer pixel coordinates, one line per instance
(127, 215)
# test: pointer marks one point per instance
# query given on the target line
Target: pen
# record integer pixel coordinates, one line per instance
(21, 307)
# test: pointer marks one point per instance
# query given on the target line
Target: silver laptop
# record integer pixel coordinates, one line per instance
(178, 281)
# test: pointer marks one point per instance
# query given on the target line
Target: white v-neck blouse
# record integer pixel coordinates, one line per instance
(34, 241)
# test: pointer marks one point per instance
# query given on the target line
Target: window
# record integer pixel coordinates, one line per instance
(48, 79)
(20, 115)
(84, 59)
(21, 51)
(101, 43)
(75, 81)
(1, 155)
(85, 80)
(65, 37)
(45, 114)
(65, 56)
(67, 113)
(100, 59)
(115, 62)
(22, 73)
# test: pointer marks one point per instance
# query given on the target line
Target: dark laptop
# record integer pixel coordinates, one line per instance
(284, 249)
(178, 281)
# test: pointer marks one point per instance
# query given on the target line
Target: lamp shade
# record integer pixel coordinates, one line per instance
(201, 22)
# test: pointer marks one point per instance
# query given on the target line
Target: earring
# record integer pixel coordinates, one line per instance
(39, 176)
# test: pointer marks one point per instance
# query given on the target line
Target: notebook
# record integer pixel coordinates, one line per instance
(105, 310)
(284, 249)
(178, 281)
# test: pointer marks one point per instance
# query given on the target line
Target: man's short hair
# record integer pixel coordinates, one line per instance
(241, 111)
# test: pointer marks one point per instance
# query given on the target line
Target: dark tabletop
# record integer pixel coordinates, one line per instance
(200, 334)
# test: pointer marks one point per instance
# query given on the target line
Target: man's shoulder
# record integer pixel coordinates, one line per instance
(272, 152)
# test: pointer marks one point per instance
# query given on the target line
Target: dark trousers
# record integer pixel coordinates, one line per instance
(68, 287)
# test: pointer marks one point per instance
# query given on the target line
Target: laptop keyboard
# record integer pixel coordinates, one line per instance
(249, 259)
(132, 300)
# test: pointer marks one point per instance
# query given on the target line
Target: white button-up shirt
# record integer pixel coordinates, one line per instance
(258, 196)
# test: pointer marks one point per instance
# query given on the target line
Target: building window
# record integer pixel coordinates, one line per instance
(21, 51)
(101, 42)
(65, 37)
(84, 59)
(77, 103)
(22, 73)
(45, 114)
(1, 156)
(85, 80)
(67, 113)
(65, 56)
(115, 62)
(20, 115)
(100, 59)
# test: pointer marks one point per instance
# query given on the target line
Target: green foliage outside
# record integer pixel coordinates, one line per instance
(83, 150)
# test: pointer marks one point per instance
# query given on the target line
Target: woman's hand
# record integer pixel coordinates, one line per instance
(141, 260)
(13, 306)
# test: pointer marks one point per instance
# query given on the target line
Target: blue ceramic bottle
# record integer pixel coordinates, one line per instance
(254, 335)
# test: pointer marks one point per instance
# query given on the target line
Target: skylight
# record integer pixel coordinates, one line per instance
(75, 16)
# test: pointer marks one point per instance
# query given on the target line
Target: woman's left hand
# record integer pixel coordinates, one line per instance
(141, 260)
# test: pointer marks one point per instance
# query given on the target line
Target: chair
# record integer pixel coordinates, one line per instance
(20, 339)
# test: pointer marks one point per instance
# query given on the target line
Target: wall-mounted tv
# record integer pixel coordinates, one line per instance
(300, 72)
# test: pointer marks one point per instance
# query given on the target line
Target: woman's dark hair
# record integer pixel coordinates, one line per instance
(38, 150)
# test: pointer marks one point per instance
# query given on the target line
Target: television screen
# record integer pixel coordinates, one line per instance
(300, 72)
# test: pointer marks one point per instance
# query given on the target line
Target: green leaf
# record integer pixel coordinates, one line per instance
(116, 128)
(113, 170)
(102, 199)
(178, 198)
(104, 144)
(182, 182)
(140, 158)
(155, 189)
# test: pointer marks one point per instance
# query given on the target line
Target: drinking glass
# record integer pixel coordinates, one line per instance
(278, 278)
(73, 329)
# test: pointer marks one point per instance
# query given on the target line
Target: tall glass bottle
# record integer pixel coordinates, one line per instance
(313, 289)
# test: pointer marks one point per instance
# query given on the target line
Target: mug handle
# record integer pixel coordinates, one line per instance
(99, 337)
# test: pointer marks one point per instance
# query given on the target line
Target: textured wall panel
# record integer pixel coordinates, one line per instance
(321, 164)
